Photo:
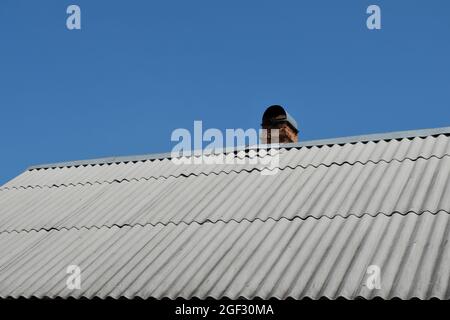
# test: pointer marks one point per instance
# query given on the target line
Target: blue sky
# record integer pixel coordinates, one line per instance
(140, 69)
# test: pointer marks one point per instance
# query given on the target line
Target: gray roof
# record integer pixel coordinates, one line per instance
(339, 141)
(146, 227)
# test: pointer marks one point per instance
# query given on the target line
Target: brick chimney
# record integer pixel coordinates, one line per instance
(275, 117)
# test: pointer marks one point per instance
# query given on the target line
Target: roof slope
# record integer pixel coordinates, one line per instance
(145, 227)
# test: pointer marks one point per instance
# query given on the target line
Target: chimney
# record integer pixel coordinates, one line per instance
(275, 117)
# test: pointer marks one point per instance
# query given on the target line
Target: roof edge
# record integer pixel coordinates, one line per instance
(320, 142)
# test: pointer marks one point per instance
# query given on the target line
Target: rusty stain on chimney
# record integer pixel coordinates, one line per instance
(275, 117)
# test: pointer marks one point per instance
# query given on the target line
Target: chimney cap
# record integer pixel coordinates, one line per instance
(276, 113)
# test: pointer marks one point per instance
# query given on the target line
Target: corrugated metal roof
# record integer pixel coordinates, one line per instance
(303, 157)
(285, 258)
(323, 142)
(338, 190)
(150, 228)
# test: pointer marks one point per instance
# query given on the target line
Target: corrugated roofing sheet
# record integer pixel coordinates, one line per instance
(337, 190)
(303, 157)
(285, 258)
(150, 228)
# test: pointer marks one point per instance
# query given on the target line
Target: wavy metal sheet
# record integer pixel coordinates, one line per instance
(304, 157)
(298, 258)
(338, 190)
(153, 229)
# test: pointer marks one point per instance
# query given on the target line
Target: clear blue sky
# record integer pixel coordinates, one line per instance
(140, 69)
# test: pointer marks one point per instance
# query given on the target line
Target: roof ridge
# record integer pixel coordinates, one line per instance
(396, 135)
(224, 172)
